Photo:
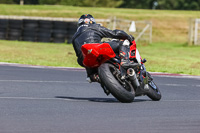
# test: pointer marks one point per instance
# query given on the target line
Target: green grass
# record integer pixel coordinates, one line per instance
(171, 58)
(99, 12)
(46, 54)
(168, 52)
(161, 57)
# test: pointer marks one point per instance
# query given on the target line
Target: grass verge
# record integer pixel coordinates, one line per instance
(161, 57)
(46, 54)
(171, 58)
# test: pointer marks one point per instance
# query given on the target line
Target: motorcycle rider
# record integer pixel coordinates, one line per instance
(90, 32)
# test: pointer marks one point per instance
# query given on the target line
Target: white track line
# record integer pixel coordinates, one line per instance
(174, 85)
(37, 98)
(82, 82)
(181, 100)
(85, 100)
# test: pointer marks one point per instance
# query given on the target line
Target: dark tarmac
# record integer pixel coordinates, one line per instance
(48, 100)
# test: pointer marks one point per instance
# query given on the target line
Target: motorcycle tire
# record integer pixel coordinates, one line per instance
(154, 91)
(124, 94)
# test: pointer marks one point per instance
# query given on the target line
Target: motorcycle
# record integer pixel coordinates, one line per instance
(136, 81)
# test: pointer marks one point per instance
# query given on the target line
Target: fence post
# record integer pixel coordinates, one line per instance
(196, 32)
(141, 33)
(150, 34)
(114, 22)
(190, 34)
(21, 2)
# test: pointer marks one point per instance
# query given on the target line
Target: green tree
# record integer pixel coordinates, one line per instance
(70, 2)
(49, 2)
(194, 6)
(93, 3)
(141, 4)
(7, 2)
(163, 4)
(179, 4)
(31, 2)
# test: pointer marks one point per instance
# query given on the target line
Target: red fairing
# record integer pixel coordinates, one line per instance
(133, 50)
(95, 54)
(133, 44)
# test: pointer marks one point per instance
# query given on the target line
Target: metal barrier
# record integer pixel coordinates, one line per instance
(141, 30)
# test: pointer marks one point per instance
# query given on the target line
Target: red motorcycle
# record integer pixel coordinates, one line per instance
(106, 62)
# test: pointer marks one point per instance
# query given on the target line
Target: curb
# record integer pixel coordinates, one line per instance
(174, 75)
(82, 69)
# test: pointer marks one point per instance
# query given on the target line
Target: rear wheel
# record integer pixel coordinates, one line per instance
(110, 78)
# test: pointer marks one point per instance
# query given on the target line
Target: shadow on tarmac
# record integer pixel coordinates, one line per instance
(95, 99)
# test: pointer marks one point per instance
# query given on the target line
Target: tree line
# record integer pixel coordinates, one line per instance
(136, 4)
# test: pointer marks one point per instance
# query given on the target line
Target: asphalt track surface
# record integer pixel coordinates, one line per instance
(59, 100)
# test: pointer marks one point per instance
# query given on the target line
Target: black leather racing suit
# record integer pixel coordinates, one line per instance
(93, 33)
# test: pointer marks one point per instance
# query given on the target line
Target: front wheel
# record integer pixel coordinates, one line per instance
(154, 91)
(110, 78)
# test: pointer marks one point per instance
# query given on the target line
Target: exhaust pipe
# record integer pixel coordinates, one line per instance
(132, 77)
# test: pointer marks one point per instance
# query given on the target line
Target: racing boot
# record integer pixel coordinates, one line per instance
(124, 56)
